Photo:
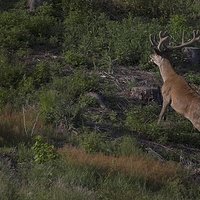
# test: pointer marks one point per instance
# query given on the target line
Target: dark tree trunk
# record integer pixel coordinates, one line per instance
(33, 4)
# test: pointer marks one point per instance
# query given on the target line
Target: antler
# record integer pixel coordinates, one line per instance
(163, 38)
(196, 37)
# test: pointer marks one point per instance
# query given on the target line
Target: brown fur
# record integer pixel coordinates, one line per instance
(177, 92)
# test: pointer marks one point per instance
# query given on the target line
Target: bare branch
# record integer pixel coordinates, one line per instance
(24, 120)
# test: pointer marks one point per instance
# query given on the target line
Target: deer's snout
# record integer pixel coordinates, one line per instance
(151, 59)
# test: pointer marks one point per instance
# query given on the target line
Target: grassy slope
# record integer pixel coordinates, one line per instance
(50, 61)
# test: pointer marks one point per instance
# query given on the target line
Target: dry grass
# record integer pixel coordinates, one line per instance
(135, 165)
(12, 127)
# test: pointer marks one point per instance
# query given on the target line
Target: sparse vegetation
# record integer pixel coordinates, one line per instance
(70, 127)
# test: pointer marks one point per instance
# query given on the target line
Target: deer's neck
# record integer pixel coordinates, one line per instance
(166, 70)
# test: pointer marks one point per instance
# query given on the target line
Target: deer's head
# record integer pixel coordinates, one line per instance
(162, 48)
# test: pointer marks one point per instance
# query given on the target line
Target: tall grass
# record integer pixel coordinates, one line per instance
(142, 167)
(18, 126)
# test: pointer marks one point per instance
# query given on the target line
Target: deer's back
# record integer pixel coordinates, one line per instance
(184, 99)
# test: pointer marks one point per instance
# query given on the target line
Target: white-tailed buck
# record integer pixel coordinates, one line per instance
(175, 90)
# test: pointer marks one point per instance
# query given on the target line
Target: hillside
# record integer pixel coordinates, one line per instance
(79, 101)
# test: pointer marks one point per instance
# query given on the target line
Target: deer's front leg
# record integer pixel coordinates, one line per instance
(166, 102)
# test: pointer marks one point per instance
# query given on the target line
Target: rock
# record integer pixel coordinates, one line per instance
(146, 94)
(192, 55)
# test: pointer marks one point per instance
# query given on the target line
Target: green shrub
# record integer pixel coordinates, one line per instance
(99, 42)
(159, 9)
(5, 5)
(41, 74)
(74, 58)
(43, 151)
(19, 29)
(193, 78)
(13, 31)
(26, 86)
(177, 25)
(68, 97)
(128, 146)
(174, 129)
(44, 30)
(92, 142)
(80, 83)
(4, 96)
(24, 153)
(48, 105)
(10, 75)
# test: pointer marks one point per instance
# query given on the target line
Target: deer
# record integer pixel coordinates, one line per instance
(176, 92)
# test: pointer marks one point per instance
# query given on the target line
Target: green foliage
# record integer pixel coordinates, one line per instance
(5, 5)
(92, 35)
(177, 25)
(44, 28)
(74, 58)
(43, 152)
(174, 129)
(48, 101)
(68, 98)
(9, 75)
(19, 29)
(159, 9)
(98, 42)
(193, 78)
(128, 146)
(80, 83)
(92, 142)
(13, 33)
(24, 153)
(41, 74)
(4, 96)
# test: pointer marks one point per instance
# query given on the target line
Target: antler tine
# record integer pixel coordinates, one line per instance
(153, 40)
(162, 34)
(163, 38)
(196, 37)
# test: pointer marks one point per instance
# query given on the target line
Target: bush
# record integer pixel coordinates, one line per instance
(14, 33)
(92, 142)
(41, 75)
(175, 129)
(10, 75)
(98, 42)
(193, 78)
(159, 9)
(42, 151)
(128, 146)
(177, 25)
(68, 98)
(48, 105)
(44, 29)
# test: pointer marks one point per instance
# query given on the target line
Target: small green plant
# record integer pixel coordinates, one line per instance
(43, 151)
(74, 58)
(193, 78)
(128, 146)
(92, 142)
(178, 24)
(41, 74)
